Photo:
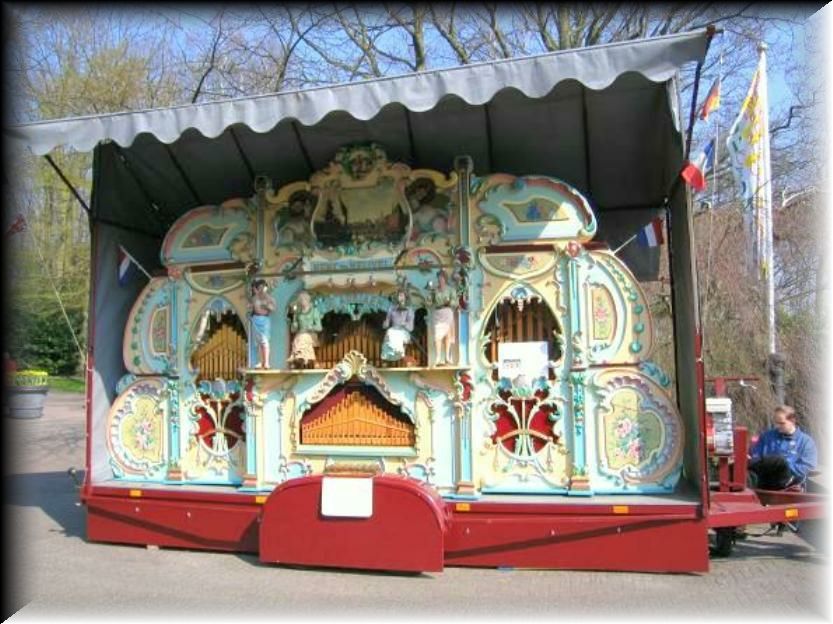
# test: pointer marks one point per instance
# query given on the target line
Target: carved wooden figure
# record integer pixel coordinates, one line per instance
(306, 324)
(443, 302)
(261, 306)
(398, 324)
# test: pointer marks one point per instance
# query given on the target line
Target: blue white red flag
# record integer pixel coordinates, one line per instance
(651, 234)
(127, 267)
(694, 173)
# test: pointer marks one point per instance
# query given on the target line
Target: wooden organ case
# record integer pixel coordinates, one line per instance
(549, 389)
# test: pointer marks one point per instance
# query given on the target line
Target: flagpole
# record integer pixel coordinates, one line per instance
(775, 361)
(136, 262)
(625, 244)
(770, 279)
(704, 319)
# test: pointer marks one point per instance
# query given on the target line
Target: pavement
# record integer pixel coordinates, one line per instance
(57, 574)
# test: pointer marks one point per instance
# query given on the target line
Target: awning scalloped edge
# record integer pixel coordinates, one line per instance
(596, 68)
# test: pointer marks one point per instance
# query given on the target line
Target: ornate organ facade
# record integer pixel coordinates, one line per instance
(547, 386)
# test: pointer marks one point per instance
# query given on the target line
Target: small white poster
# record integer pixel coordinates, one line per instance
(347, 497)
(527, 360)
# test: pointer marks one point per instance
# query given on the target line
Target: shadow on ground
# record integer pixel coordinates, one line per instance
(808, 545)
(55, 493)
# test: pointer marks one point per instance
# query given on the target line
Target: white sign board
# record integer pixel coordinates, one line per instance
(347, 497)
(720, 409)
(523, 359)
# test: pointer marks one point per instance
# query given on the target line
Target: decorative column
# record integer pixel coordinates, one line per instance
(462, 255)
(253, 403)
(463, 483)
(579, 480)
(174, 450)
(173, 381)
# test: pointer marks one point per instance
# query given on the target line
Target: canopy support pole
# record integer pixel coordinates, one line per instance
(69, 185)
(710, 32)
(490, 151)
(154, 208)
(411, 144)
(303, 147)
(243, 156)
(584, 127)
(675, 184)
(184, 177)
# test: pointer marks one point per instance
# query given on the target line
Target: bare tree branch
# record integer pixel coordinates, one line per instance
(212, 59)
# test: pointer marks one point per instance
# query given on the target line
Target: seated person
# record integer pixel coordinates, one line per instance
(783, 455)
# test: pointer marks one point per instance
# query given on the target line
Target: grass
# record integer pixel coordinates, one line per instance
(67, 384)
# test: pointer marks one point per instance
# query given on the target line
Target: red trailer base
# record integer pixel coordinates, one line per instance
(405, 532)
(412, 528)
(644, 538)
(733, 509)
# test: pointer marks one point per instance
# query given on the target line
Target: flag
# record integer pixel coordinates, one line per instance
(694, 173)
(712, 101)
(651, 234)
(748, 148)
(127, 267)
(18, 225)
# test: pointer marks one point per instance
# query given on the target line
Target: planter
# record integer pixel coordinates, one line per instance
(26, 401)
(27, 390)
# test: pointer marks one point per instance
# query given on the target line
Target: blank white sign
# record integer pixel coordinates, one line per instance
(347, 497)
(529, 359)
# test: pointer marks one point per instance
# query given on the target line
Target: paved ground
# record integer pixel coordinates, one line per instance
(58, 574)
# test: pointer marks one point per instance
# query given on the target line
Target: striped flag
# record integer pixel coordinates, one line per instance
(651, 234)
(694, 173)
(126, 264)
(712, 101)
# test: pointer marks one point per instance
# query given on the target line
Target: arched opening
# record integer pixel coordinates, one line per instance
(513, 321)
(342, 334)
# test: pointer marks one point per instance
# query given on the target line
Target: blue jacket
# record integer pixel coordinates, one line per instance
(798, 449)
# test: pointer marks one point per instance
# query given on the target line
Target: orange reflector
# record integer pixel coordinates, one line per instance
(620, 509)
(791, 513)
(135, 493)
(260, 500)
(462, 507)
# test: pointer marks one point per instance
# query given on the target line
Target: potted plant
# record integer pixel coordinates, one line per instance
(27, 393)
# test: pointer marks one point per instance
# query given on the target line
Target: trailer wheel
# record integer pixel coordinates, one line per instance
(724, 541)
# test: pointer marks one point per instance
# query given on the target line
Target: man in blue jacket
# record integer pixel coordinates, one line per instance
(784, 455)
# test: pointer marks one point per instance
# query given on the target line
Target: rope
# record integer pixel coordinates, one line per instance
(58, 297)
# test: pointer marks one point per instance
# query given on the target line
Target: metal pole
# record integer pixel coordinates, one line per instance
(767, 190)
(775, 360)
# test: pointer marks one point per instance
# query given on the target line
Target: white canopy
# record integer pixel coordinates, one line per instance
(604, 119)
